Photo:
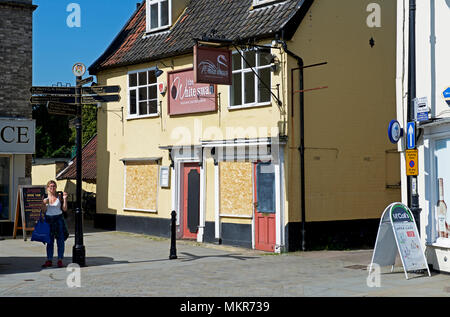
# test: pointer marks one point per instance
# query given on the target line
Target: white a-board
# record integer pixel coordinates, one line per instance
(398, 233)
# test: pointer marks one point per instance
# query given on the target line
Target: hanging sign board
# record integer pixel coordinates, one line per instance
(398, 233)
(212, 65)
(28, 208)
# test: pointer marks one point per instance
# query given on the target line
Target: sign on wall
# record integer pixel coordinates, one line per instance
(185, 96)
(398, 228)
(212, 65)
(17, 136)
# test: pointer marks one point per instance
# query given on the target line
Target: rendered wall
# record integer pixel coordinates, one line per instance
(348, 156)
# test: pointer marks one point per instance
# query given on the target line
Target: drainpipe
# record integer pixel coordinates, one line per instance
(413, 196)
(302, 137)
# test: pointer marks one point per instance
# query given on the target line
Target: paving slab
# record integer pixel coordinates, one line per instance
(131, 265)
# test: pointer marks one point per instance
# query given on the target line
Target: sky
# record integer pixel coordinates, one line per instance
(62, 37)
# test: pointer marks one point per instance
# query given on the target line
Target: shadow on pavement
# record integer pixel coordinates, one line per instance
(15, 265)
(193, 257)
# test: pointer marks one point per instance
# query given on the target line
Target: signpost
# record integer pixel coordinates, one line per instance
(411, 133)
(398, 228)
(43, 90)
(61, 109)
(68, 101)
(39, 100)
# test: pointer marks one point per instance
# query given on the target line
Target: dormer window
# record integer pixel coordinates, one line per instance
(158, 14)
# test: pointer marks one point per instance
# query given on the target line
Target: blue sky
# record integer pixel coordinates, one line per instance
(57, 47)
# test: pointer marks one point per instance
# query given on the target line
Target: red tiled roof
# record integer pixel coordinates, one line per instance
(89, 163)
(231, 19)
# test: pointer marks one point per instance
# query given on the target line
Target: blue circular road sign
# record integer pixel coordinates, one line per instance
(395, 132)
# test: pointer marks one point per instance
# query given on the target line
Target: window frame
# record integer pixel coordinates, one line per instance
(136, 88)
(143, 161)
(244, 71)
(160, 27)
(257, 3)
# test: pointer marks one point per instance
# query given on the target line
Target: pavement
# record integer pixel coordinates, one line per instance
(120, 264)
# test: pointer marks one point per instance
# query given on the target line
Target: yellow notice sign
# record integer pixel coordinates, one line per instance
(412, 164)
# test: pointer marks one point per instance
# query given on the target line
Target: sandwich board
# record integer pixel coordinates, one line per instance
(397, 232)
(28, 208)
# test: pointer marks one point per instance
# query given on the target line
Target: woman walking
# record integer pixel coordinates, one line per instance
(54, 206)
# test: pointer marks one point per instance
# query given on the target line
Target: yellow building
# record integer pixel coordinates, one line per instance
(228, 158)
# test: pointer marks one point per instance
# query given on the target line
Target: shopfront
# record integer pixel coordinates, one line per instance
(17, 139)
(436, 194)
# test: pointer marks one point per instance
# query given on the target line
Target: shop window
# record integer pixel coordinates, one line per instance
(4, 188)
(141, 186)
(158, 14)
(143, 94)
(442, 170)
(247, 90)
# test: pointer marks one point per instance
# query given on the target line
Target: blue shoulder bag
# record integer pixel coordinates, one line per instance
(41, 231)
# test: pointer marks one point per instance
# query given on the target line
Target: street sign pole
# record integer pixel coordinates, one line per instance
(79, 252)
(413, 195)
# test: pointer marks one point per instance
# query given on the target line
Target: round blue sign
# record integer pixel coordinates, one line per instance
(395, 132)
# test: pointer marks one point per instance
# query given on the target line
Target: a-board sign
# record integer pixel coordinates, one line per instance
(28, 208)
(397, 234)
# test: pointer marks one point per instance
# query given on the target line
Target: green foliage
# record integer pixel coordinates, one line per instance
(89, 124)
(54, 136)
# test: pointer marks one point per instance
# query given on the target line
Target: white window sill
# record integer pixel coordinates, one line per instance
(155, 115)
(253, 105)
(441, 243)
(155, 31)
(269, 2)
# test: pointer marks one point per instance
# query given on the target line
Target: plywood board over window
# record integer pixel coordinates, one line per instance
(141, 186)
(236, 189)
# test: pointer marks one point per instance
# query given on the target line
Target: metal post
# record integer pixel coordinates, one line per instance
(78, 251)
(173, 247)
(413, 196)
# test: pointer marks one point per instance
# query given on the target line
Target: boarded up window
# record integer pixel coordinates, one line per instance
(141, 185)
(236, 189)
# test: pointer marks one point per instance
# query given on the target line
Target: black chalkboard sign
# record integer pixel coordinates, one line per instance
(28, 208)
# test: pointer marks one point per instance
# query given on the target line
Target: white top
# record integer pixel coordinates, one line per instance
(54, 209)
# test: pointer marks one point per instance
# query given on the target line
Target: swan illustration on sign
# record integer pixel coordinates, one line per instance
(209, 68)
(212, 65)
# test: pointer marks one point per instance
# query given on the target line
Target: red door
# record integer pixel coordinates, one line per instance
(191, 200)
(265, 210)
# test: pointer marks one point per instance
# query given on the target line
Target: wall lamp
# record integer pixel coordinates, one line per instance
(159, 72)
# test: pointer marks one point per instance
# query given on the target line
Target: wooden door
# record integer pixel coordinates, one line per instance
(265, 209)
(191, 200)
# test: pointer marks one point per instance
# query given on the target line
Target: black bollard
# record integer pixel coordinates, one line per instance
(173, 238)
